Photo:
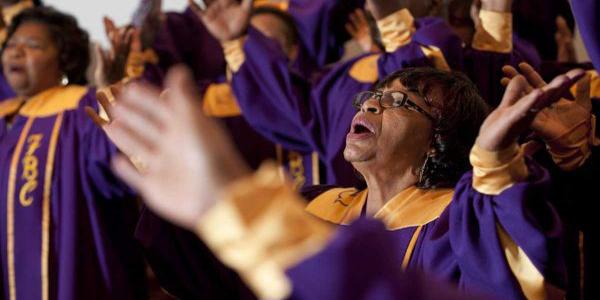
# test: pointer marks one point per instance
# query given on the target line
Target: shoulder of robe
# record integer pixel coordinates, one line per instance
(337, 205)
(54, 101)
(365, 69)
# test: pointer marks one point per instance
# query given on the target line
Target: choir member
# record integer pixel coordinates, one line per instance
(67, 220)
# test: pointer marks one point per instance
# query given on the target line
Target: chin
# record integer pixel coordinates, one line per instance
(354, 154)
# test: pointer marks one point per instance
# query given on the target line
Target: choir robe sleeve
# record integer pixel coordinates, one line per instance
(586, 14)
(494, 45)
(183, 39)
(505, 236)
(319, 27)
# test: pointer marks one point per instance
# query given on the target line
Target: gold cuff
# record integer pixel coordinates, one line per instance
(234, 53)
(219, 101)
(136, 62)
(495, 171)
(260, 229)
(571, 150)
(494, 32)
(396, 29)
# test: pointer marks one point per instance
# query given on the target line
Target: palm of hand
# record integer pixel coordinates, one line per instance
(177, 184)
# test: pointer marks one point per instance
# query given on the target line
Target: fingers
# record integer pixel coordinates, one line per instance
(561, 26)
(515, 89)
(532, 76)
(583, 97)
(509, 73)
(558, 87)
(141, 104)
(109, 28)
(351, 29)
(362, 18)
(95, 117)
(125, 169)
(247, 5)
(182, 93)
(104, 101)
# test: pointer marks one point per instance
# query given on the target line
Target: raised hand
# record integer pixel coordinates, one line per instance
(382, 8)
(564, 41)
(225, 19)
(111, 65)
(358, 28)
(188, 160)
(519, 108)
(564, 115)
(148, 19)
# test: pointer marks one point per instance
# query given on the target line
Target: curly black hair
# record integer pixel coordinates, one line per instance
(73, 43)
(459, 115)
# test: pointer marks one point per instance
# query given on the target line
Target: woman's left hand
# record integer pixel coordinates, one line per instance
(519, 108)
(559, 119)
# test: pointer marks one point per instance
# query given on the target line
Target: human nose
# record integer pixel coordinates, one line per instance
(372, 106)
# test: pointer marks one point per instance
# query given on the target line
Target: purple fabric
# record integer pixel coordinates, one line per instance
(587, 14)
(462, 246)
(362, 262)
(183, 39)
(6, 91)
(470, 223)
(321, 27)
(534, 21)
(184, 265)
(92, 250)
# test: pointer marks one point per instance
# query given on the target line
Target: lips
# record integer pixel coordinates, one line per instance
(16, 69)
(361, 128)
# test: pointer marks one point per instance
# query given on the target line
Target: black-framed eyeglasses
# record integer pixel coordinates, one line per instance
(389, 99)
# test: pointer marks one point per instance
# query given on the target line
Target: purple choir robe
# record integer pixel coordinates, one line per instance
(68, 222)
(462, 245)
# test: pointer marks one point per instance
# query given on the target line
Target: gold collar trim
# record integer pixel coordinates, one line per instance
(46, 103)
(411, 207)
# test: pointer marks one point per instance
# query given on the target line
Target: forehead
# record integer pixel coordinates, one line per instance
(432, 96)
(32, 30)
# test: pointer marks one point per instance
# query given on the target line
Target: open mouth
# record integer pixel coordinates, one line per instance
(16, 69)
(361, 129)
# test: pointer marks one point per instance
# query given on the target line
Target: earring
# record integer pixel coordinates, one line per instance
(423, 167)
(64, 80)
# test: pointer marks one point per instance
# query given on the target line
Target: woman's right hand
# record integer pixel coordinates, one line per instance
(225, 19)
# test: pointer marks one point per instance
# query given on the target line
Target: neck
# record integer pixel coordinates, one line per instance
(385, 183)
